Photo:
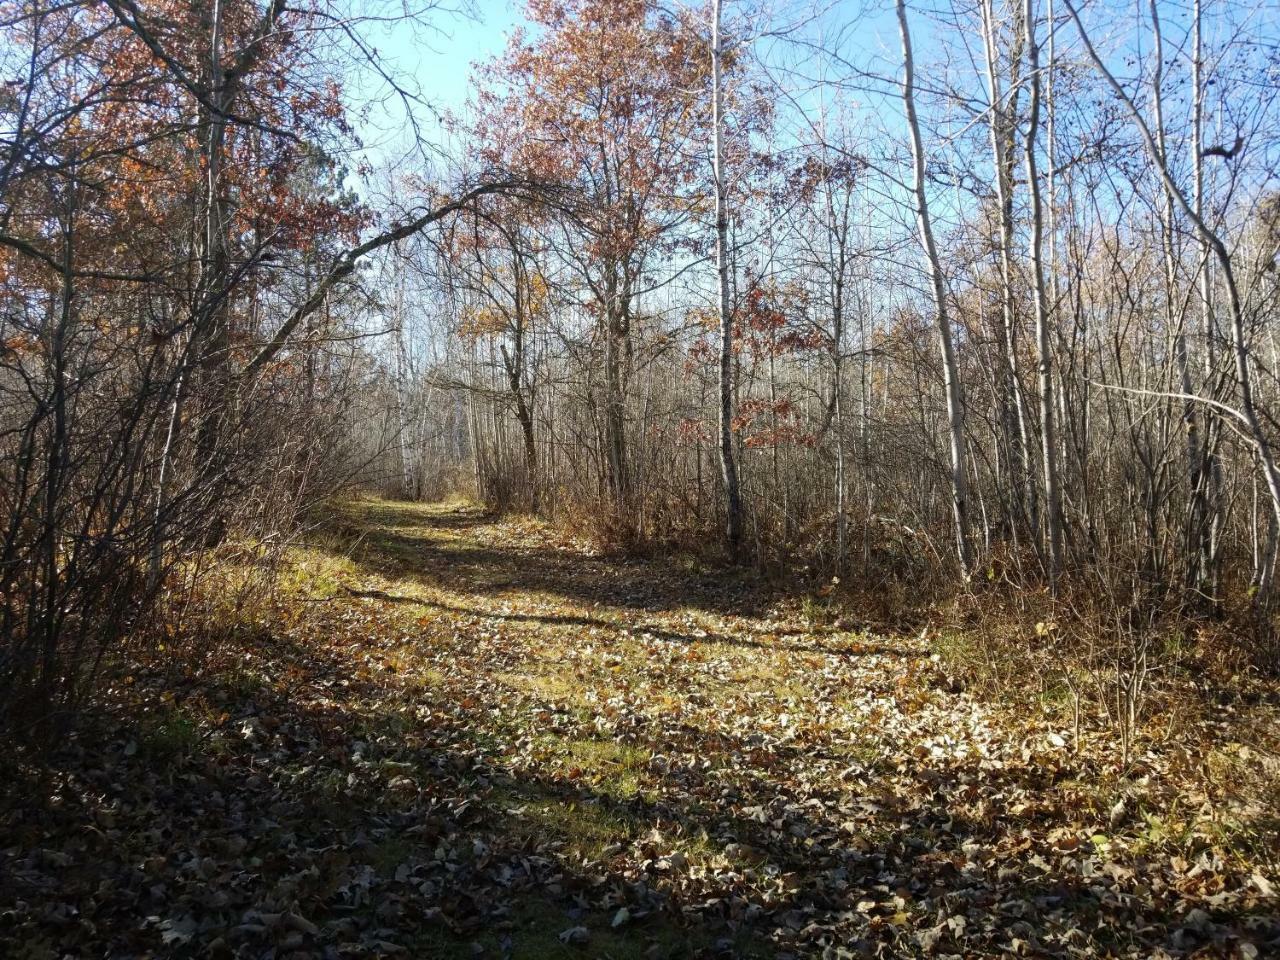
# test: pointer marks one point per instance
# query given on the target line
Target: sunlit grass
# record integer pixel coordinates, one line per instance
(316, 572)
(582, 829)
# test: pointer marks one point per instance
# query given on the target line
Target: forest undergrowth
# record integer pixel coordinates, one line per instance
(447, 734)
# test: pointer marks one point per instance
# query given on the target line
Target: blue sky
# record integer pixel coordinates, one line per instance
(433, 60)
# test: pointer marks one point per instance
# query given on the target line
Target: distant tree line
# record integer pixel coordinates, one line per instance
(1000, 309)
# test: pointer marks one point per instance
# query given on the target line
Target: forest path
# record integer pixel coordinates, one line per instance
(684, 740)
(449, 735)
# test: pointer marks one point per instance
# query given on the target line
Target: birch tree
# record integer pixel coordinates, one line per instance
(937, 285)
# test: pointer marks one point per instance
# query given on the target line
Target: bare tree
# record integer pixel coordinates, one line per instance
(1048, 433)
(951, 377)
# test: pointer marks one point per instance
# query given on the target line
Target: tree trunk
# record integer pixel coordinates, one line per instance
(1002, 144)
(615, 438)
(728, 459)
(950, 373)
(1048, 435)
(1205, 495)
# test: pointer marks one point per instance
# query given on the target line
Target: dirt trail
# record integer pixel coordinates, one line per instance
(451, 735)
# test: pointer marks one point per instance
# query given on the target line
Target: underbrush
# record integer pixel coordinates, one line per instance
(1161, 697)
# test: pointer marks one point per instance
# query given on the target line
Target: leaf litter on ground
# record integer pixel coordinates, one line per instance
(480, 738)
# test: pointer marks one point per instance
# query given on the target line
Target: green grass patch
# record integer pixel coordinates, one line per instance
(581, 828)
(168, 737)
(386, 854)
(243, 683)
(616, 769)
(548, 686)
(316, 571)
